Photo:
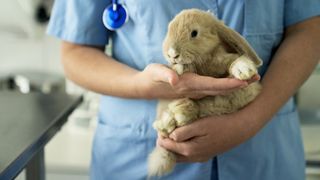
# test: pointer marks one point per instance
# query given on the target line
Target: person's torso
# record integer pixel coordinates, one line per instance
(139, 42)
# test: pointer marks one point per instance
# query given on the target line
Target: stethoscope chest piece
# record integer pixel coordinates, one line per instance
(114, 16)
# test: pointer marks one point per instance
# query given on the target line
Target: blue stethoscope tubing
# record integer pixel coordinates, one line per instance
(115, 16)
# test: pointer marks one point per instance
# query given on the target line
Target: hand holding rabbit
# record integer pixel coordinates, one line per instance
(159, 81)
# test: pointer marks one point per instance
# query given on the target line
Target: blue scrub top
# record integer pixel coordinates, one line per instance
(124, 136)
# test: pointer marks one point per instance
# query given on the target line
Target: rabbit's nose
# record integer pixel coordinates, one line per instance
(172, 53)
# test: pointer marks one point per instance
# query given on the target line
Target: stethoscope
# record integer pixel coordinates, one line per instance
(114, 16)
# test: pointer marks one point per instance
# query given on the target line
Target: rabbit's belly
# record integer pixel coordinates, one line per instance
(218, 105)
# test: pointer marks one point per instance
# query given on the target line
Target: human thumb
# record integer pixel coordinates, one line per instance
(165, 74)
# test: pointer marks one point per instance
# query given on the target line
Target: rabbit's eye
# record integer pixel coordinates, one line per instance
(194, 33)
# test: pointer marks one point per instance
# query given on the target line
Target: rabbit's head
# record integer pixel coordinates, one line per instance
(194, 33)
(190, 36)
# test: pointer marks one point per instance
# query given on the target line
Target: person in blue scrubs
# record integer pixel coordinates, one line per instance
(261, 141)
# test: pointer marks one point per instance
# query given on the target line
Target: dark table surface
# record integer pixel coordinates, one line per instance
(27, 123)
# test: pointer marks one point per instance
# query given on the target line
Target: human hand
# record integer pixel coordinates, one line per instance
(194, 86)
(159, 81)
(208, 137)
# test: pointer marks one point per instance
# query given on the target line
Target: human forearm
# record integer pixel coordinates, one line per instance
(92, 69)
(292, 64)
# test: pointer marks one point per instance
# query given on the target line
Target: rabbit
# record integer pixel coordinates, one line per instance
(198, 42)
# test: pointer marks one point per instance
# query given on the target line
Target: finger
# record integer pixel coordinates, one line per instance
(222, 92)
(172, 146)
(164, 74)
(226, 84)
(186, 132)
(196, 95)
(201, 94)
(254, 78)
(225, 92)
(215, 84)
(182, 159)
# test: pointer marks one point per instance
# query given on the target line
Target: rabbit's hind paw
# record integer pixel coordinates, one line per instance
(184, 111)
(166, 124)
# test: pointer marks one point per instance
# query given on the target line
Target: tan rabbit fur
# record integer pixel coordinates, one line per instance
(197, 42)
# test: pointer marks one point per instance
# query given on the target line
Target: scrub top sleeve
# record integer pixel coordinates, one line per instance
(79, 21)
(299, 10)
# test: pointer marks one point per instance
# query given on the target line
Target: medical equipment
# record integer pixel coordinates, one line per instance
(114, 16)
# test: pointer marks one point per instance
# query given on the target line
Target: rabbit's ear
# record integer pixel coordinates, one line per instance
(236, 42)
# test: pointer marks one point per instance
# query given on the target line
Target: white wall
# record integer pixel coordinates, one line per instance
(31, 54)
(23, 43)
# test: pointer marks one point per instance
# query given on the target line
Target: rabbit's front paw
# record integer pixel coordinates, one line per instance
(183, 68)
(166, 124)
(184, 111)
(178, 68)
(243, 68)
